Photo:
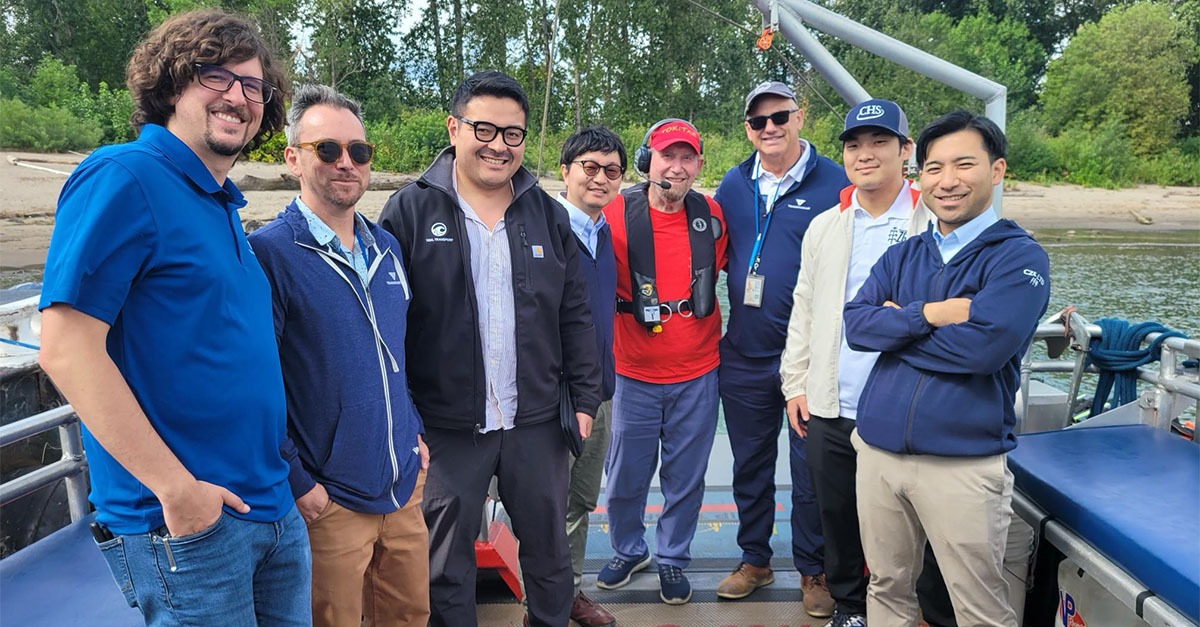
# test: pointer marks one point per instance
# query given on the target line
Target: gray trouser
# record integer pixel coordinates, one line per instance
(584, 489)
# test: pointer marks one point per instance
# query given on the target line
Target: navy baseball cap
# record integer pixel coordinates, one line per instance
(879, 113)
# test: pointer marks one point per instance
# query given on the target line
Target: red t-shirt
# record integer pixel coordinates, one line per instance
(687, 347)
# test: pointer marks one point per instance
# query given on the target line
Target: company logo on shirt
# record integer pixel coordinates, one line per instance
(799, 204)
(1035, 279)
(394, 279)
(869, 112)
(895, 235)
(700, 225)
(538, 252)
(439, 231)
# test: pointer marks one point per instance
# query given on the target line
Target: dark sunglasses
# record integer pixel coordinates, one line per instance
(486, 131)
(330, 151)
(591, 168)
(217, 78)
(779, 118)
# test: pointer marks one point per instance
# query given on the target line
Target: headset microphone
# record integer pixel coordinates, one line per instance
(662, 184)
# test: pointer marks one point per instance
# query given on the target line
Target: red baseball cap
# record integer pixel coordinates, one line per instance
(674, 132)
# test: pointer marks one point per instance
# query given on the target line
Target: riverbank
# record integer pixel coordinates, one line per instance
(1052, 212)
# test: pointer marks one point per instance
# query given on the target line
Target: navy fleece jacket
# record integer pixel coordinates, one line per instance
(351, 423)
(948, 390)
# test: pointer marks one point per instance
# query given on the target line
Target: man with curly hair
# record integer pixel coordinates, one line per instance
(157, 327)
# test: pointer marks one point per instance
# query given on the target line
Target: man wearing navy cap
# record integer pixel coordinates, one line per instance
(822, 377)
(769, 200)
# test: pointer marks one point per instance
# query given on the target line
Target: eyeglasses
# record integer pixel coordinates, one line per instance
(591, 168)
(779, 118)
(330, 151)
(217, 78)
(486, 131)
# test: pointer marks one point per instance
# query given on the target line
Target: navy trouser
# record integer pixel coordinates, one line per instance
(754, 414)
(682, 418)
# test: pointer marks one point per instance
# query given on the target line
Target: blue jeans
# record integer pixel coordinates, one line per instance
(681, 418)
(236, 572)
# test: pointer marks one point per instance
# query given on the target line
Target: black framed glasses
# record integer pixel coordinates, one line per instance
(591, 168)
(485, 132)
(217, 78)
(329, 151)
(779, 118)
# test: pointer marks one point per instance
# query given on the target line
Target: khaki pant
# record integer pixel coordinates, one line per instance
(371, 569)
(963, 505)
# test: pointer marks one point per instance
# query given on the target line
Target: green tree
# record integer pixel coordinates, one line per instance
(1130, 68)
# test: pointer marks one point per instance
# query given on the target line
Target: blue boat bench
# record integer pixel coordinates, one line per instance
(62, 580)
(1124, 503)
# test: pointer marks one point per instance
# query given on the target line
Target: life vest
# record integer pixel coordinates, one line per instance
(703, 231)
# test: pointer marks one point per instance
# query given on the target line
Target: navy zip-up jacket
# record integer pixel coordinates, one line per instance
(600, 274)
(761, 332)
(351, 423)
(949, 390)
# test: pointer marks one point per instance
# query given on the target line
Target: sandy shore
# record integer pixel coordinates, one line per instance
(28, 199)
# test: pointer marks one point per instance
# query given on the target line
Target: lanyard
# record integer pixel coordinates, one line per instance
(362, 247)
(761, 230)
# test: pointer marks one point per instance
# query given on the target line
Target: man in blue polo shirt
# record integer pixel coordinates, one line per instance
(157, 328)
(769, 201)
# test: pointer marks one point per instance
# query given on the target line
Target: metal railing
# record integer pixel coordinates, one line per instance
(72, 466)
(1174, 389)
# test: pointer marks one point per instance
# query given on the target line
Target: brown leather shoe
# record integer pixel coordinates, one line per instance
(589, 613)
(744, 580)
(817, 601)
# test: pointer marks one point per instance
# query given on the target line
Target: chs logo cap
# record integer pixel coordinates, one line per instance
(878, 113)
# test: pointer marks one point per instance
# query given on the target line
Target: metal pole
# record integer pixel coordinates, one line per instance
(822, 61)
(77, 489)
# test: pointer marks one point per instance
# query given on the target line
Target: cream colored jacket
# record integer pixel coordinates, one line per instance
(809, 364)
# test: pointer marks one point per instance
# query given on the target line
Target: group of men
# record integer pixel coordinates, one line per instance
(301, 426)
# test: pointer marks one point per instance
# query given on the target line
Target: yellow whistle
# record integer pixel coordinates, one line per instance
(657, 328)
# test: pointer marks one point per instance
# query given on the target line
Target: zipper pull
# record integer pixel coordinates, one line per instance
(475, 434)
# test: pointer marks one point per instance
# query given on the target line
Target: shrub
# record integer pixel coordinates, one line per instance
(1171, 167)
(409, 143)
(1096, 158)
(50, 128)
(270, 151)
(1030, 156)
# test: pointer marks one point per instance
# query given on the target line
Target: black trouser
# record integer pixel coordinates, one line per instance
(832, 465)
(531, 465)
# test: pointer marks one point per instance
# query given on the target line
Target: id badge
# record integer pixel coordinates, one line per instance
(754, 290)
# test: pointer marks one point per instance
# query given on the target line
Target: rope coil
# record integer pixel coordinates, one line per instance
(1118, 354)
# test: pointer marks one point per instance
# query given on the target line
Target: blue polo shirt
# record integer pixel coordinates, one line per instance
(148, 242)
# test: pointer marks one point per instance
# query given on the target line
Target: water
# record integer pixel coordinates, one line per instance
(1115, 275)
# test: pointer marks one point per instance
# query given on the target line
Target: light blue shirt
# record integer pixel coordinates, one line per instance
(585, 229)
(963, 235)
(871, 238)
(770, 186)
(326, 237)
(491, 270)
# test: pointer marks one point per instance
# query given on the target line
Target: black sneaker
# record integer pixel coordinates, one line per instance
(673, 587)
(847, 620)
(618, 572)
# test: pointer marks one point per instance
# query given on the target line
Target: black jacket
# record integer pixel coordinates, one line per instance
(554, 333)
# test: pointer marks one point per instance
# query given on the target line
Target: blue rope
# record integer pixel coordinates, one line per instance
(16, 343)
(1118, 353)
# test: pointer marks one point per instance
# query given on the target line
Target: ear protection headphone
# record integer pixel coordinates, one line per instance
(641, 157)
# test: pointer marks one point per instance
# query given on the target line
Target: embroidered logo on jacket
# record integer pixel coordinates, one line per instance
(439, 231)
(1035, 279)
